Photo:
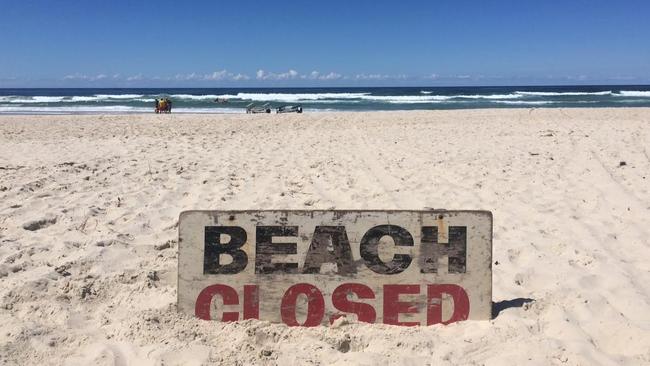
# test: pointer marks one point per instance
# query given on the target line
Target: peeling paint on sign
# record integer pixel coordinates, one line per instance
(306, 268)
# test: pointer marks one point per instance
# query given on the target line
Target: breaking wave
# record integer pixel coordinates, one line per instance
(195, 97)
(17, 99)
(524, 102)
(435, 98)
(634, 93)
(105, 109)
(559, 94)
(69, 101)
(291, 97)
(28, 100)
(72, 109)
(118, 96)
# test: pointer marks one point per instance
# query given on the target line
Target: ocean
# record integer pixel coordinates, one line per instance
(203, 100)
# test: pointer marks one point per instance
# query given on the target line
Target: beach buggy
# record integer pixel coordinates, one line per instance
(252, 108)
(289, 109)
(163, 105)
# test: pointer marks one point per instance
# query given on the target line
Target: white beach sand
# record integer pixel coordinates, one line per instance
(89, 207)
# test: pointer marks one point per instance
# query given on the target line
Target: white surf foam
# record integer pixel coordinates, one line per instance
(17, 99)
(335, 101)
(273, 97)
(84, 99)
(209, 110)
(72, 109)
(27, 100)
(418, 101)
(195, 97)
(118, 96)
(524, 102)
(489, 96)
(290, 97)
(559, 94)
(409, 99)
(425, 92)
(106, 97)
(634, 93)
(106, 109)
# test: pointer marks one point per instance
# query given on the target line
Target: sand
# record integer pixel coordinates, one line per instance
(88, 226)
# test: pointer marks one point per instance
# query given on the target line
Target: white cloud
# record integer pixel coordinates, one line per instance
(83, 77)
(371, 77)
(76, 76)
(137, 77)
(225, 75)
(260, 74)
(289, 75)
(240, 77)
(217, 75)
(293, 75)
(331, 76)
(220, 75)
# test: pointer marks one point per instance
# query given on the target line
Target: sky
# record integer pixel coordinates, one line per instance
(208, 43)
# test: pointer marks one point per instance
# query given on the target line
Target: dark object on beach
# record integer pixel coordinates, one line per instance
(252, 108)
(163, 105)
(289, 109)
(39, 224)
(622, 163)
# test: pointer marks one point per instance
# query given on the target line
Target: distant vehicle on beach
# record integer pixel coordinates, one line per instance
(163, 105)
(252, 108)
(289, 109)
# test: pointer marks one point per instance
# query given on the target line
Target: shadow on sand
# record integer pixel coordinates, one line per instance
(498, 307)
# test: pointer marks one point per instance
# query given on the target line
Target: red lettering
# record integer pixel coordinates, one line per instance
(204, 301)
(434, 303)
(365, 312)
(251, 302)
(315, 305)
(393, 307)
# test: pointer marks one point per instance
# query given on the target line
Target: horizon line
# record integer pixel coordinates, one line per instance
(333, 87)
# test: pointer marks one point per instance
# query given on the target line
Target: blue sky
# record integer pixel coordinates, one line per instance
(122, 43)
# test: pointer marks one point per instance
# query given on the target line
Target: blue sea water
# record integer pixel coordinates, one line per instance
(202, 100)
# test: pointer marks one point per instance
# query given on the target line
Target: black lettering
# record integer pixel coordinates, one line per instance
(213, 248)
(265, 249)
(370, 253)
(326, 237)
(455, 250)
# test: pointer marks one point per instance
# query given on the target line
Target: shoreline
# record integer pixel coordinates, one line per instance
(320, 111)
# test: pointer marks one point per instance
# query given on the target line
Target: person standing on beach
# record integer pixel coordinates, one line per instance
(156, 104)
(169, 105)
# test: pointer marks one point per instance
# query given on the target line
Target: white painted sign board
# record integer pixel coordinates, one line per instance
(306, 268)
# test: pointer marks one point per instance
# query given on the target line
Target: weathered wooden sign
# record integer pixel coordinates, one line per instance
(306, 268)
